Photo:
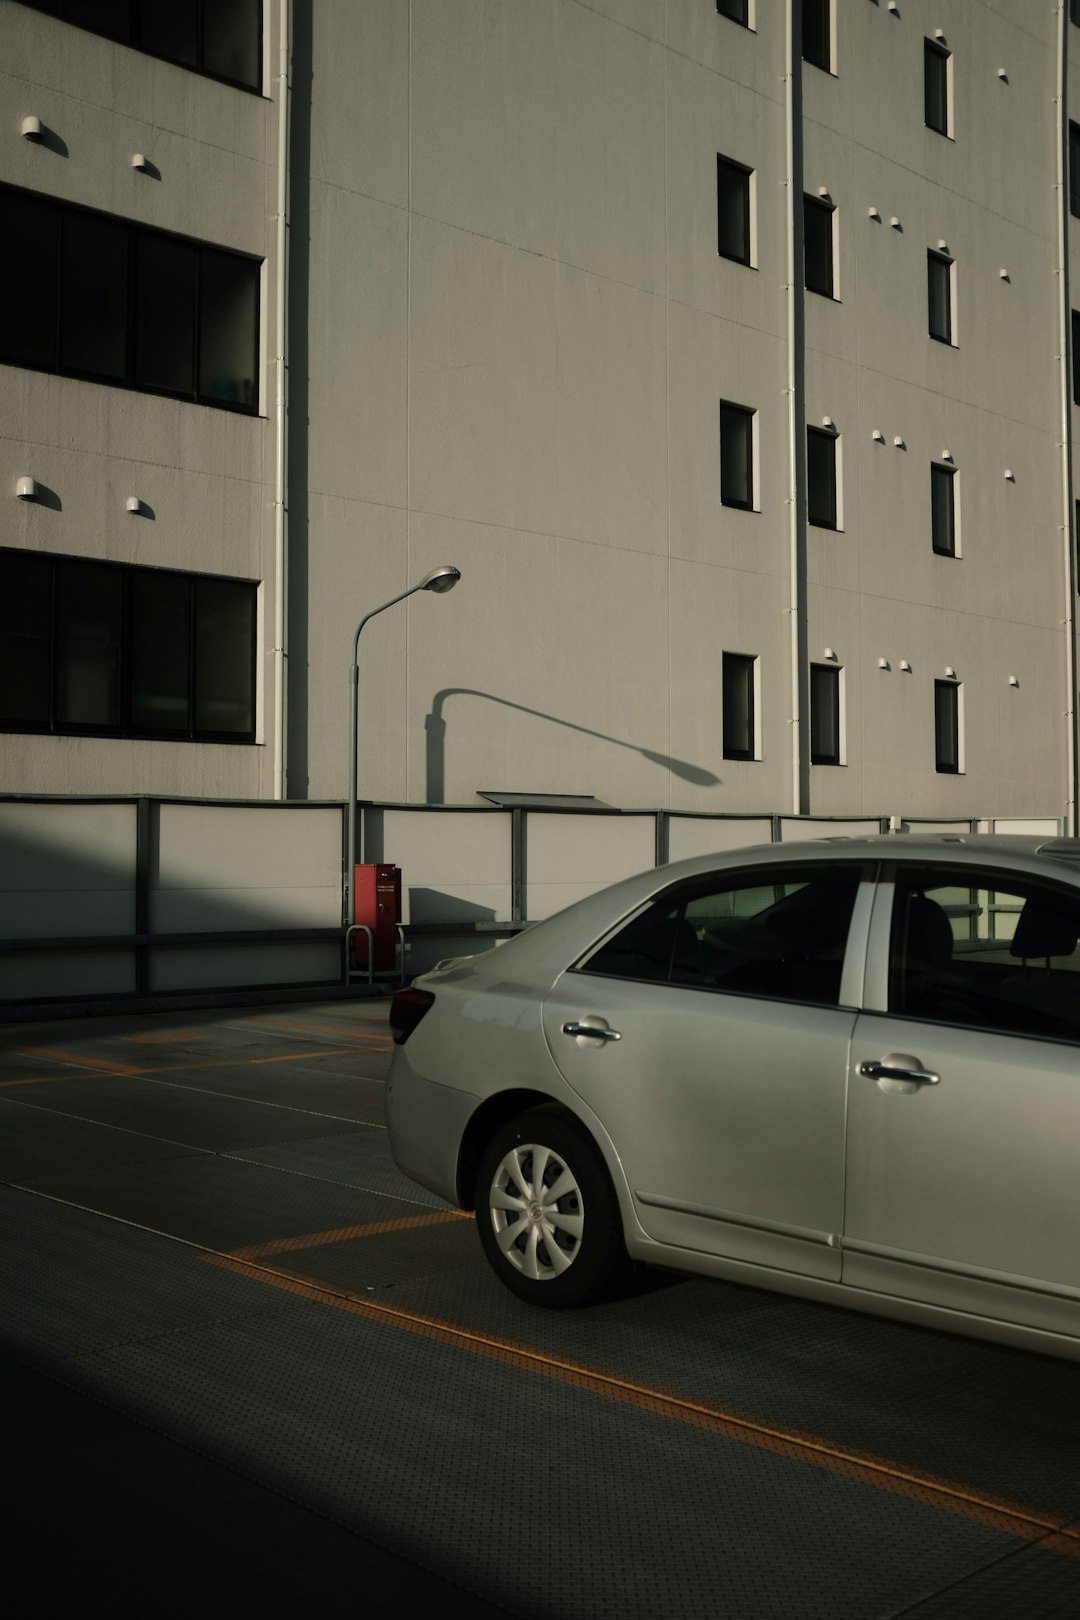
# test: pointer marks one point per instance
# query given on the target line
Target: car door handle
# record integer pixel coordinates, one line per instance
(886, 1069)
(593, 1032)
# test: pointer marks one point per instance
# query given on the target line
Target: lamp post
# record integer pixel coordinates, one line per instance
(440, 580)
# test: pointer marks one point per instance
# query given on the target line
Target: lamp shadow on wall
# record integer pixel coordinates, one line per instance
(435, 729)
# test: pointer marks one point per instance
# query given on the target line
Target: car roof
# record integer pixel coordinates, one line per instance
(544, 950)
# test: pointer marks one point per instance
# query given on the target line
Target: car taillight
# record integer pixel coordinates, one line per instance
(406, 1011)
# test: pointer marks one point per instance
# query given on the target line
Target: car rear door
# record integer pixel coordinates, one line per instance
(964, 1104)
(710, 1036)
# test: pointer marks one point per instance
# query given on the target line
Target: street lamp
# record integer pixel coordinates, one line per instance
(440, 580)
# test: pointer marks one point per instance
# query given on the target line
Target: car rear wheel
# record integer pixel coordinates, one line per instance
(547, 1213)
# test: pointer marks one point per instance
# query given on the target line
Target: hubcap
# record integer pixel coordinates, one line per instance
(537, 1211)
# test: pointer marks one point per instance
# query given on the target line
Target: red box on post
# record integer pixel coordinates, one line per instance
(377, 904)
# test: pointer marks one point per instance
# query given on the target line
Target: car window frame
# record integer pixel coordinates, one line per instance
(864, 869)
(975, 874)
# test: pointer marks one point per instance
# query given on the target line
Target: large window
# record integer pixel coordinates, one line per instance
(821, 478)
(943, 509)
(939, 272)
(732, 210)
(936, 86)
(779, 932)
(108, 650)
(95, 297)
(221, 38)
(736, 456)
(947, 727)
(817, 33)
(740, 738)
(818, 245)
(967, 949)
(825, 740)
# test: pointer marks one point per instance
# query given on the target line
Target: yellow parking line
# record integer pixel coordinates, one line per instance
(75, 1058)
(345, 1234)
(1049, 1531)
(322, 1029)
(187, 1068)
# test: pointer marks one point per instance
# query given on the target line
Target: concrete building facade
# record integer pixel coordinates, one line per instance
(723, 345)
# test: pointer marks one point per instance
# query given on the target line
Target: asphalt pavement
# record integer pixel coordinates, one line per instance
(249, 1369)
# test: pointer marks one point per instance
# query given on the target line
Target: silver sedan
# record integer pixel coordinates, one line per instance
(847, 1069)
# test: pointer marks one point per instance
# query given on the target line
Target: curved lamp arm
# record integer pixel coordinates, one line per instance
(440, 580)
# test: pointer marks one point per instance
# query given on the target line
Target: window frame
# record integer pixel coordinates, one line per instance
(825, 9)
(948, 716)
(937, 261)
(746, 666)
(834, 674)
(937, 86)
(683, 893)
(133, 41)
(123, 576)
(943, 476)
(136, 234)
(827, 517)
(813, 208)
(746, 413)
(732, 168)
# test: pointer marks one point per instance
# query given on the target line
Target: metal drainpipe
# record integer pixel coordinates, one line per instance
(1064, 345)
(800, 783)
(281, 401)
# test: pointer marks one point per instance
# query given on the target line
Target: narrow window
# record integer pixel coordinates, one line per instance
(740, 738)
(936, 86)
(818, 245)
(824, 714)
(86, 632)
(25, 640)
(165, 315)
(737, 10)
(947, 727)
(736, 456)
(1074, 12)
(821, 478)
(816, 31)
(1076, 541)
(732, 210)
(1075, 357)
(943, 510)
(1074, 168)
(93, 296)
(29, 267)
(939, 296)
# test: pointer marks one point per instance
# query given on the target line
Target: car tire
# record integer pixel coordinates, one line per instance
(552, 1247)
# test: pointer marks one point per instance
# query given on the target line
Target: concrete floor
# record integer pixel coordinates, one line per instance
(251, 1369)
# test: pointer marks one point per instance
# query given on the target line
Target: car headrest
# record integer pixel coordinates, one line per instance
(1044, 929)
(929, 934)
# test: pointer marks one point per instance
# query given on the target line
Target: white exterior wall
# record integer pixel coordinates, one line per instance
(510, 333)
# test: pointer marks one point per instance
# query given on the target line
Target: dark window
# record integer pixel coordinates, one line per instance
(739, 720)
(221, 38)
(947, 727)
(1074, 168)
(737, 10)
(95, 297)
(736, 456)
(943, 510)
(1076, 541)
(816, 46)
(936, 86)
(110, 650)
(1074, 12)
(779, 932)
(732, 210)
(821, 478)
(939, 296)
(824, 714)
(818, 245)
(1075, 357)
(985, 951)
